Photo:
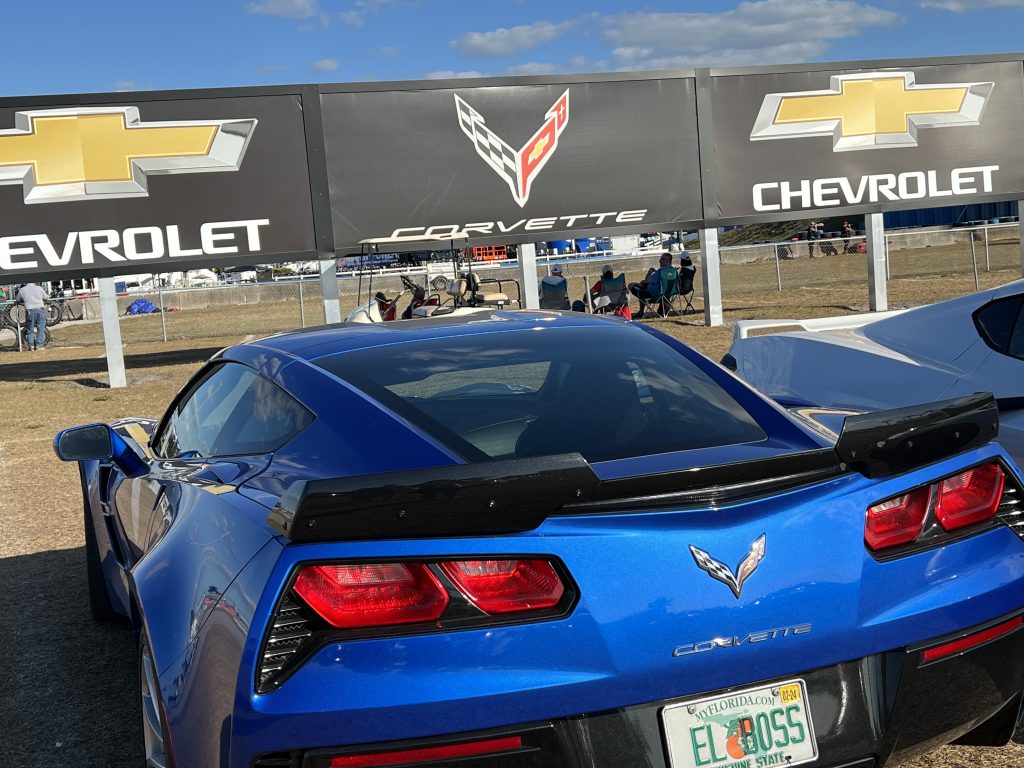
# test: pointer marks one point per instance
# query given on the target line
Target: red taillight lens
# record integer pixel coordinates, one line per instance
(972, 641)
(372, 594)
(897, 521)
(425, 754)
(506, 586)
(970, 497)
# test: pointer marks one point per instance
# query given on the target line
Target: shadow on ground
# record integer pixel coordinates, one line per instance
(69, 684)
(33, 366)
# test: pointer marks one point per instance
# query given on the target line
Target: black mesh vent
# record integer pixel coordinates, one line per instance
(279, 760)
(290, 632)
(1011, 510)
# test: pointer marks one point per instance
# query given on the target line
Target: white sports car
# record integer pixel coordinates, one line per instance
(871, 362)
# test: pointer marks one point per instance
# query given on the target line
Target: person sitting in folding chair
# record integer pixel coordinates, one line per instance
(687, 276)
(648, 293)
(554, 290)
(609, 293)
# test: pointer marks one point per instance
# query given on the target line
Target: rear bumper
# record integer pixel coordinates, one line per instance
(884, 708)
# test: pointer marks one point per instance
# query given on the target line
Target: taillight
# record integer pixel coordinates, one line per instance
(328, 602)
(429, 754)
(372, 595)
(897, 521)
(506, 586)
(970, 497)
(964, 499)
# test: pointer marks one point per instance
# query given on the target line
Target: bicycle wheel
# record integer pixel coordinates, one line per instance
(18, 315)
(54, 311)
(8, 338)
(24, 336)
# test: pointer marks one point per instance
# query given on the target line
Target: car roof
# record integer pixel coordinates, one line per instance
(311, 343)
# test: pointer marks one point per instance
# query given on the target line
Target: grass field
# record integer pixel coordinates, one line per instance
(70, 682)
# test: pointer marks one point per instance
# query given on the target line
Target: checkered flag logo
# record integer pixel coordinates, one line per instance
(517, 167)
(719, 571)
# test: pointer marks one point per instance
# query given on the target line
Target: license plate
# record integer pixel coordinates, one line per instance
(755, 728)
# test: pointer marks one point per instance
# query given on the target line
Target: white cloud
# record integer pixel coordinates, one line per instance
(324, 65)
(508, 41)
(754, 32)
(289, 9)
(356, 16)
(388, 50)
(962, 6)
(531, 68)
(127, 85)
(451, 74)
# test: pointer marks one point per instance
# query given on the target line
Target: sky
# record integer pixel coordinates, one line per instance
(73, 46)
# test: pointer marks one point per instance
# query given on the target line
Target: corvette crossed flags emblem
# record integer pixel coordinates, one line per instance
(518, 167)
(719, 571)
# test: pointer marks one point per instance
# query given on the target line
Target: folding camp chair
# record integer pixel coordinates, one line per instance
(554, 295)
(666, 301)
(613, 295)
(686, 278)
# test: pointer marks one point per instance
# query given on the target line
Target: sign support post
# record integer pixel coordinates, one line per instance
(1020, 224)
(711, 276)
(329, 286)
(878, 288)
(528, 276)
(112, 332)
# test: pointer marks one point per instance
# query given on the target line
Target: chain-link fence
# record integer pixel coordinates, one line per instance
(922, 266)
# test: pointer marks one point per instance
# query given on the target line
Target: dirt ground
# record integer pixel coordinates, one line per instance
(69, 684)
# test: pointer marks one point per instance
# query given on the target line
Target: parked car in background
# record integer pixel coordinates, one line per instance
(969, 344)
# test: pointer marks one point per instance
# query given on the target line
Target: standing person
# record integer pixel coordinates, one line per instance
(847, 232)
(812, 234)
(34, 298)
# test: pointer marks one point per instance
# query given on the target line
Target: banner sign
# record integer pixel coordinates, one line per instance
(512, 163)
(878, 138)
(142, 186)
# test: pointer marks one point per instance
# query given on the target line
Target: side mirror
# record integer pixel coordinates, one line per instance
(79, 443)
(99, 442)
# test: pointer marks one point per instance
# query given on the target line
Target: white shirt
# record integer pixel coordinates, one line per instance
(32, 296)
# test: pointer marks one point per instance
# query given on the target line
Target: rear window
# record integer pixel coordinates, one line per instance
(608, 393)
(996, 320)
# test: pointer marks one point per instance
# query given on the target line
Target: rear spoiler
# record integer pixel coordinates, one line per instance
(889, 442)
(492, 497)
(512, 496)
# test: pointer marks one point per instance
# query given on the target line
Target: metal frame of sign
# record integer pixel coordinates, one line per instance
(542, 80)
(710, 185)
(706, 143)
(312, 128)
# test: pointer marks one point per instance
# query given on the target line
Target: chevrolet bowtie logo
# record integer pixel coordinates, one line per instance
(871, 110)
(104, 152)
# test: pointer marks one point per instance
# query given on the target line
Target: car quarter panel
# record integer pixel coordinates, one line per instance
(200, 687)
(183, 577)
(804, 366)
(642, 599)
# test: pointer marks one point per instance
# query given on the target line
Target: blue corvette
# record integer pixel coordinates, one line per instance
(505, 539)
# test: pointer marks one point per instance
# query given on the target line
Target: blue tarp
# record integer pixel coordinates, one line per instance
(142, 307)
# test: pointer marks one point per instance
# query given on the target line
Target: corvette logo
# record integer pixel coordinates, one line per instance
(719, 571)
(870, 111)
(94, 153)
(517, 167)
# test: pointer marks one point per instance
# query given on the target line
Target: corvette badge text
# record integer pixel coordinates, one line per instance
(98, 246)
(537, 224)
(874, 188)
(737, 641)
